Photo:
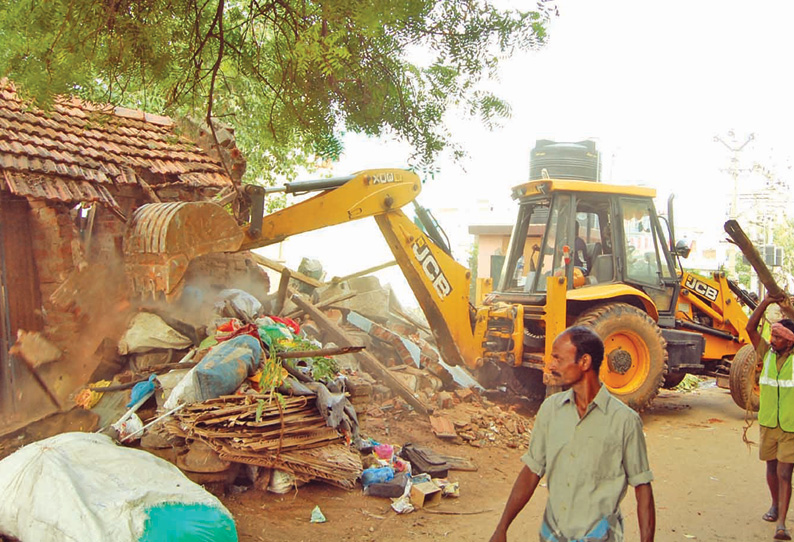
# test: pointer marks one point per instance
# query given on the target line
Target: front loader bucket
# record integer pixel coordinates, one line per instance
(163, 238)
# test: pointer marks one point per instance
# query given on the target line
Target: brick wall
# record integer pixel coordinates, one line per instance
(98, 305)
(90, 274)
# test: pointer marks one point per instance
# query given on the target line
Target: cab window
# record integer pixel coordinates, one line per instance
(642, 258)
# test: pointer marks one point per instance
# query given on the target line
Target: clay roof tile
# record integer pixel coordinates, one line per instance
(95, 144)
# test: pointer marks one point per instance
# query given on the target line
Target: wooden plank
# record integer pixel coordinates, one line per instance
(765, 277)
(267, 262)
(325, 304)
(458, 463)
(320, 353)
(281, 296)
(363, 272)
(367, 360)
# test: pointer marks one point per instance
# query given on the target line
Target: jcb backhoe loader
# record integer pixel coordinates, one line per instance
(658, 322)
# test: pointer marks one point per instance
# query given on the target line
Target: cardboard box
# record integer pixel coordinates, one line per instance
(425, 495)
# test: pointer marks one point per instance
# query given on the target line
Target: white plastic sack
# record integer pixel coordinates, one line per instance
(184, 393)
(149, 332)
(77, 487)
(242, 301)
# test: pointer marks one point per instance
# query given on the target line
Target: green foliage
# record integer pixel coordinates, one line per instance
(322, 368)
(689, 383)
(743, 271)
(291, 75)
(272, 374)
(260, 406)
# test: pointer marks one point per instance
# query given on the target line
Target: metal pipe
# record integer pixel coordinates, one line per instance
(705, 329)
(315, 185)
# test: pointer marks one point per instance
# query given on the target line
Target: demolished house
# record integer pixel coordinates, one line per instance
(203, 367)
(70, 179)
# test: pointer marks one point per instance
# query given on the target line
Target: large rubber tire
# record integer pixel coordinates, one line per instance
(635, 353)
(743, 379)
(671, 380)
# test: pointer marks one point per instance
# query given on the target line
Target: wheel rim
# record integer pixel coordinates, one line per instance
(627, 362)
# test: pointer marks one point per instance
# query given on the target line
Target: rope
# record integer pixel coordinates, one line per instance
(748, 412)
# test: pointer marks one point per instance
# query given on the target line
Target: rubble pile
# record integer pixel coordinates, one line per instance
(477, 422)
(269, 392)
(493, 426)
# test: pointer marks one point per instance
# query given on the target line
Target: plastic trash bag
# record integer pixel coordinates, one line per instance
(242, 303)
(226, 366)
(317, 515)
(148, 332)
(133, 425)
(281, 482)
(172, 522)
(141, 390)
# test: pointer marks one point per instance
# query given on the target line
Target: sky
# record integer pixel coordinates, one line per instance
(652, 83)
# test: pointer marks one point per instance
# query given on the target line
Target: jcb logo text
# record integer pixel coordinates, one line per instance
(431, 268)
(700, 287)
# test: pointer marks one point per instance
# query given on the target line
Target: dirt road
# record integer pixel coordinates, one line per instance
(708, 487)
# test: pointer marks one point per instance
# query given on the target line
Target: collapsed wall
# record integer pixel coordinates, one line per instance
(70, 178)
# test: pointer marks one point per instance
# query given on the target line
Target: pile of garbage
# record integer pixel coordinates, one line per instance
(270, 392)
(412, 476)
(255, 391)
(240, 396)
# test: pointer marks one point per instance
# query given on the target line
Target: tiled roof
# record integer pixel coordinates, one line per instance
(82, 152)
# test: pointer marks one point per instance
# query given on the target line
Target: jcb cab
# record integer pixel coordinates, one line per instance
(597, 254)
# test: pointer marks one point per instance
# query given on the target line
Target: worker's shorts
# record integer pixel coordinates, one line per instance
(776, 444)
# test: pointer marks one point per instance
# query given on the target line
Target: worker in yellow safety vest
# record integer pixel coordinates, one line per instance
(776, 412)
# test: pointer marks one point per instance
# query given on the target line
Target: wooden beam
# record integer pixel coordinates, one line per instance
(41, 381)
(324, 305)
(364, 272)
(367, 360)
(320, 353)
(272, 264)
(281, 296)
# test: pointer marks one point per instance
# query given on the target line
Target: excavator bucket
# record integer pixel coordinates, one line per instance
(164, 238)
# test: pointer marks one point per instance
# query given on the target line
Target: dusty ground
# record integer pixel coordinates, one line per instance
(708, 486)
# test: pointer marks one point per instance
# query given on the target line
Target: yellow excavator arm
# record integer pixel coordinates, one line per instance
(165, 237)
(366, 193)
(440, 284)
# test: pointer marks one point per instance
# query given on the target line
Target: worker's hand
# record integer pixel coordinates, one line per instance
(499, 536)
(769, 299)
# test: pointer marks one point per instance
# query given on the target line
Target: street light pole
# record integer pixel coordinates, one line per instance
(734, 170)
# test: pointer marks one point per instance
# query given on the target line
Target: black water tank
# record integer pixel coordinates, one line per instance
(573, 161)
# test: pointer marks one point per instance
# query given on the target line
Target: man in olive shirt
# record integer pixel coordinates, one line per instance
(590, 446)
